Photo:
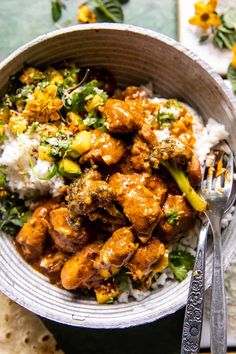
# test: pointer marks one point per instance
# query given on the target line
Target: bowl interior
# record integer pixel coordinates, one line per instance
(134, 56)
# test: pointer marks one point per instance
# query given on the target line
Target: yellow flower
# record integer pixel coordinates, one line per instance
(85, 15)
(233, 62)
(43, 106)
(205, 15)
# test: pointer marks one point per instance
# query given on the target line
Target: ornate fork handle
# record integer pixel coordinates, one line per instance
(218, 300)
(194, 309)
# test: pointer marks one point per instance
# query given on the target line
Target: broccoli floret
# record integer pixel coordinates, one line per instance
(174, 156)
(184, 185)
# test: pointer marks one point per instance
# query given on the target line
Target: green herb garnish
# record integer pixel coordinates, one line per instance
(82, 94)
(59, 145)
(165, 118)
(180, 262)
(173, 217)
(13, 214)
(94, 121)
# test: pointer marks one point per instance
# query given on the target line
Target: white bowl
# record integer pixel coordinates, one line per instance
(134, 55)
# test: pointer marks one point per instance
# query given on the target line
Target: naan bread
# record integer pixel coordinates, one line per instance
(21, 332)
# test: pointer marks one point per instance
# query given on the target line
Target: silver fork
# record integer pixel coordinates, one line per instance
(217, 192)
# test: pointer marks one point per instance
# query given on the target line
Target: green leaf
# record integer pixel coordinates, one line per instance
(218, 42)
(226, 39)
(56, 10)
(231, 76)
(111, 8)
(229, 19)
(180, 262)
(122, 281)
(25, 216)
(203, 38)
(13, 214)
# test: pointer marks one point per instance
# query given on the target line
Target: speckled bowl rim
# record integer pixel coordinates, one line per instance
(176, 305)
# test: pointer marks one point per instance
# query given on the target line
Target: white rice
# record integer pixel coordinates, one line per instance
(17, 156)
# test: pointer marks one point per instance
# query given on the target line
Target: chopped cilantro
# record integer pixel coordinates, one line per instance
(165, 118)
(70, 76)
(173, 217)
(13, 214)
(59, 145)
(78, 98)
(180, 262)
(93, 121)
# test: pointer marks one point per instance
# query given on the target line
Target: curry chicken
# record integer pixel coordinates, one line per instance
(121, 206)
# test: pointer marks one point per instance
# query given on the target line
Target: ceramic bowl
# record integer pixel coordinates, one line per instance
(135, 56)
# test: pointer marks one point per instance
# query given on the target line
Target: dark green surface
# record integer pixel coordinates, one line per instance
(23, 20)
(160, 337)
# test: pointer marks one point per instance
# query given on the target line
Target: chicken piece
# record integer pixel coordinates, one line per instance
(91, 197)
(171, 149)
(52, 264)
(32, 237)
(123, 117)
(144, 140)
(179, 217)
(140, 155)
(117, 250)
(79, 270)
(147, 134)
(139, 204)
(104, 149)
(145, 258)
(134, 92)
(194, 171)
(158, 187)
(67, 237)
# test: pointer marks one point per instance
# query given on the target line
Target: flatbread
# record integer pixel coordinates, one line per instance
(22, 332)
